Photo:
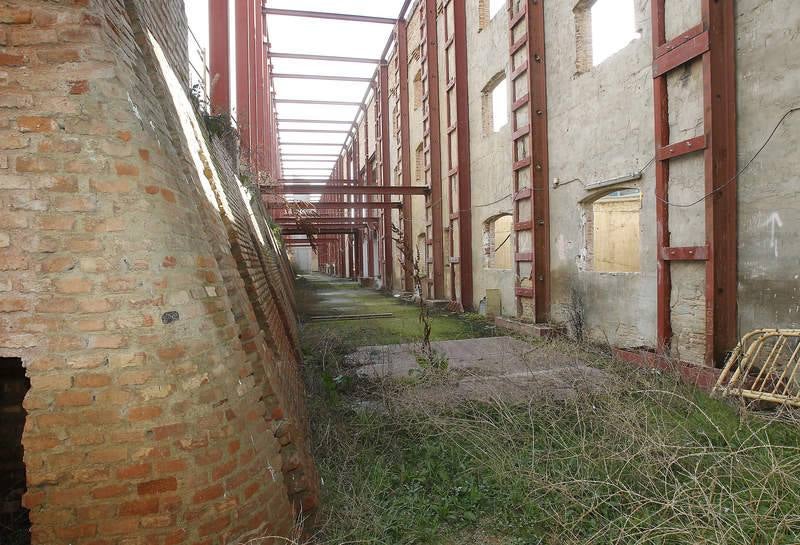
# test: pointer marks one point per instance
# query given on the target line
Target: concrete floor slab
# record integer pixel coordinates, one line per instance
(485, 368)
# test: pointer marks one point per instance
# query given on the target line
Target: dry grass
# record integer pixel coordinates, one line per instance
(651, 463)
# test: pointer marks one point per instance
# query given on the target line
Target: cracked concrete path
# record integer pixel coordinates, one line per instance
(487, 368)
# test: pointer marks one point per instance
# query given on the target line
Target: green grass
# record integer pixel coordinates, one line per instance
(650, 462)
(330, 298)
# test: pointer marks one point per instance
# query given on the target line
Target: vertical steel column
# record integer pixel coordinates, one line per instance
(242, 37)
(530, 158)
(458, 160)
(719, 75)
(404, 145)
(713, 41)
(429, 58)
(386, 172)
(258, 81)
(219, 53)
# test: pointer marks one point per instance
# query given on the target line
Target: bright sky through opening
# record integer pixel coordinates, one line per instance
(613, 27)
(316, 37)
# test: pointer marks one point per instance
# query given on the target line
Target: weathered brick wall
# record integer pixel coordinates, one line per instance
(159, 400)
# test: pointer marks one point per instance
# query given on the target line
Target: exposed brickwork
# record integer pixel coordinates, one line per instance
(165, 396)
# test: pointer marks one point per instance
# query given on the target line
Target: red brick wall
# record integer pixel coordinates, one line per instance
(162, 409)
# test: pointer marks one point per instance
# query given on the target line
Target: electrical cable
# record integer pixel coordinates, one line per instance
(741, 171)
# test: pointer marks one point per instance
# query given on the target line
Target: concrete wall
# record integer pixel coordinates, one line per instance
(142, 290)
(768, 75)
(600, 127)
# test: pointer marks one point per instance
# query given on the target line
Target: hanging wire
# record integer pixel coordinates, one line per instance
(741, 171)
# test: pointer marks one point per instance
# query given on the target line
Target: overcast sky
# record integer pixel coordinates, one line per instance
(613, 27)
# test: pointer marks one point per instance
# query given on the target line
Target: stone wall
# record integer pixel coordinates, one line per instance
(153, 315)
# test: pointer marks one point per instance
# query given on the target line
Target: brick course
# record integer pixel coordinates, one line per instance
(132, 297)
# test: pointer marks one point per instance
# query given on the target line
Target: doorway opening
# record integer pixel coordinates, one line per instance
(15, 525)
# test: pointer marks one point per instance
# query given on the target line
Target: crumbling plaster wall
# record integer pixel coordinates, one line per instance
(600, 126)
(159, 410)
(490, 152)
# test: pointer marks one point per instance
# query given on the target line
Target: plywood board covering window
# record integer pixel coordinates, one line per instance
(613, 226)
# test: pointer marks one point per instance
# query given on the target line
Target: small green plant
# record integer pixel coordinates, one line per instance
(432, 360)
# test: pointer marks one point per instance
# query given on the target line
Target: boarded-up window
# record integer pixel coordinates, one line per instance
(614, 232)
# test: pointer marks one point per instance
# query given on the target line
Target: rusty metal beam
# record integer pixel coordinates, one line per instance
(219, 53)
(323, 77)
(308, 160)
(310, 144)
(404, 143)
(331, 121)
(719, 100)
(310, 155)
(326, 219)
(344, 230)
(337, 205)
(317, 102)
(386, 173)
(330, 189)
(462, 152)
(329, 15)
(317, 131)
(329, 58)
(430, 59)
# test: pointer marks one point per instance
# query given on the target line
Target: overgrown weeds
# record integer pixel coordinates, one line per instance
(657, 464)
(647, 461)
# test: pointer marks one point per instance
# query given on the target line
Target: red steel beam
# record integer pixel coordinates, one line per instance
(325, 220)
(405, 142)
(386, 173)
(431, 58)
(661, 113)
(332, 121)
(330, 15)
(338, 205)
(330, 58)
(719, 100)
(219, 53)
(310, 144)
(318, 131)
(317, 102)
(332, 155)
(334, 230)
(464, 171)
(323, 77)
(308, 160)
(318, 180)
(310, 189)
(242, 37)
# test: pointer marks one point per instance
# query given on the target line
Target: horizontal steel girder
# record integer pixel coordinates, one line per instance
(278, 205)
(312, 189)
(330, 15)
(331, 58)
(318, 102)
(324, 77)
(331, 121)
